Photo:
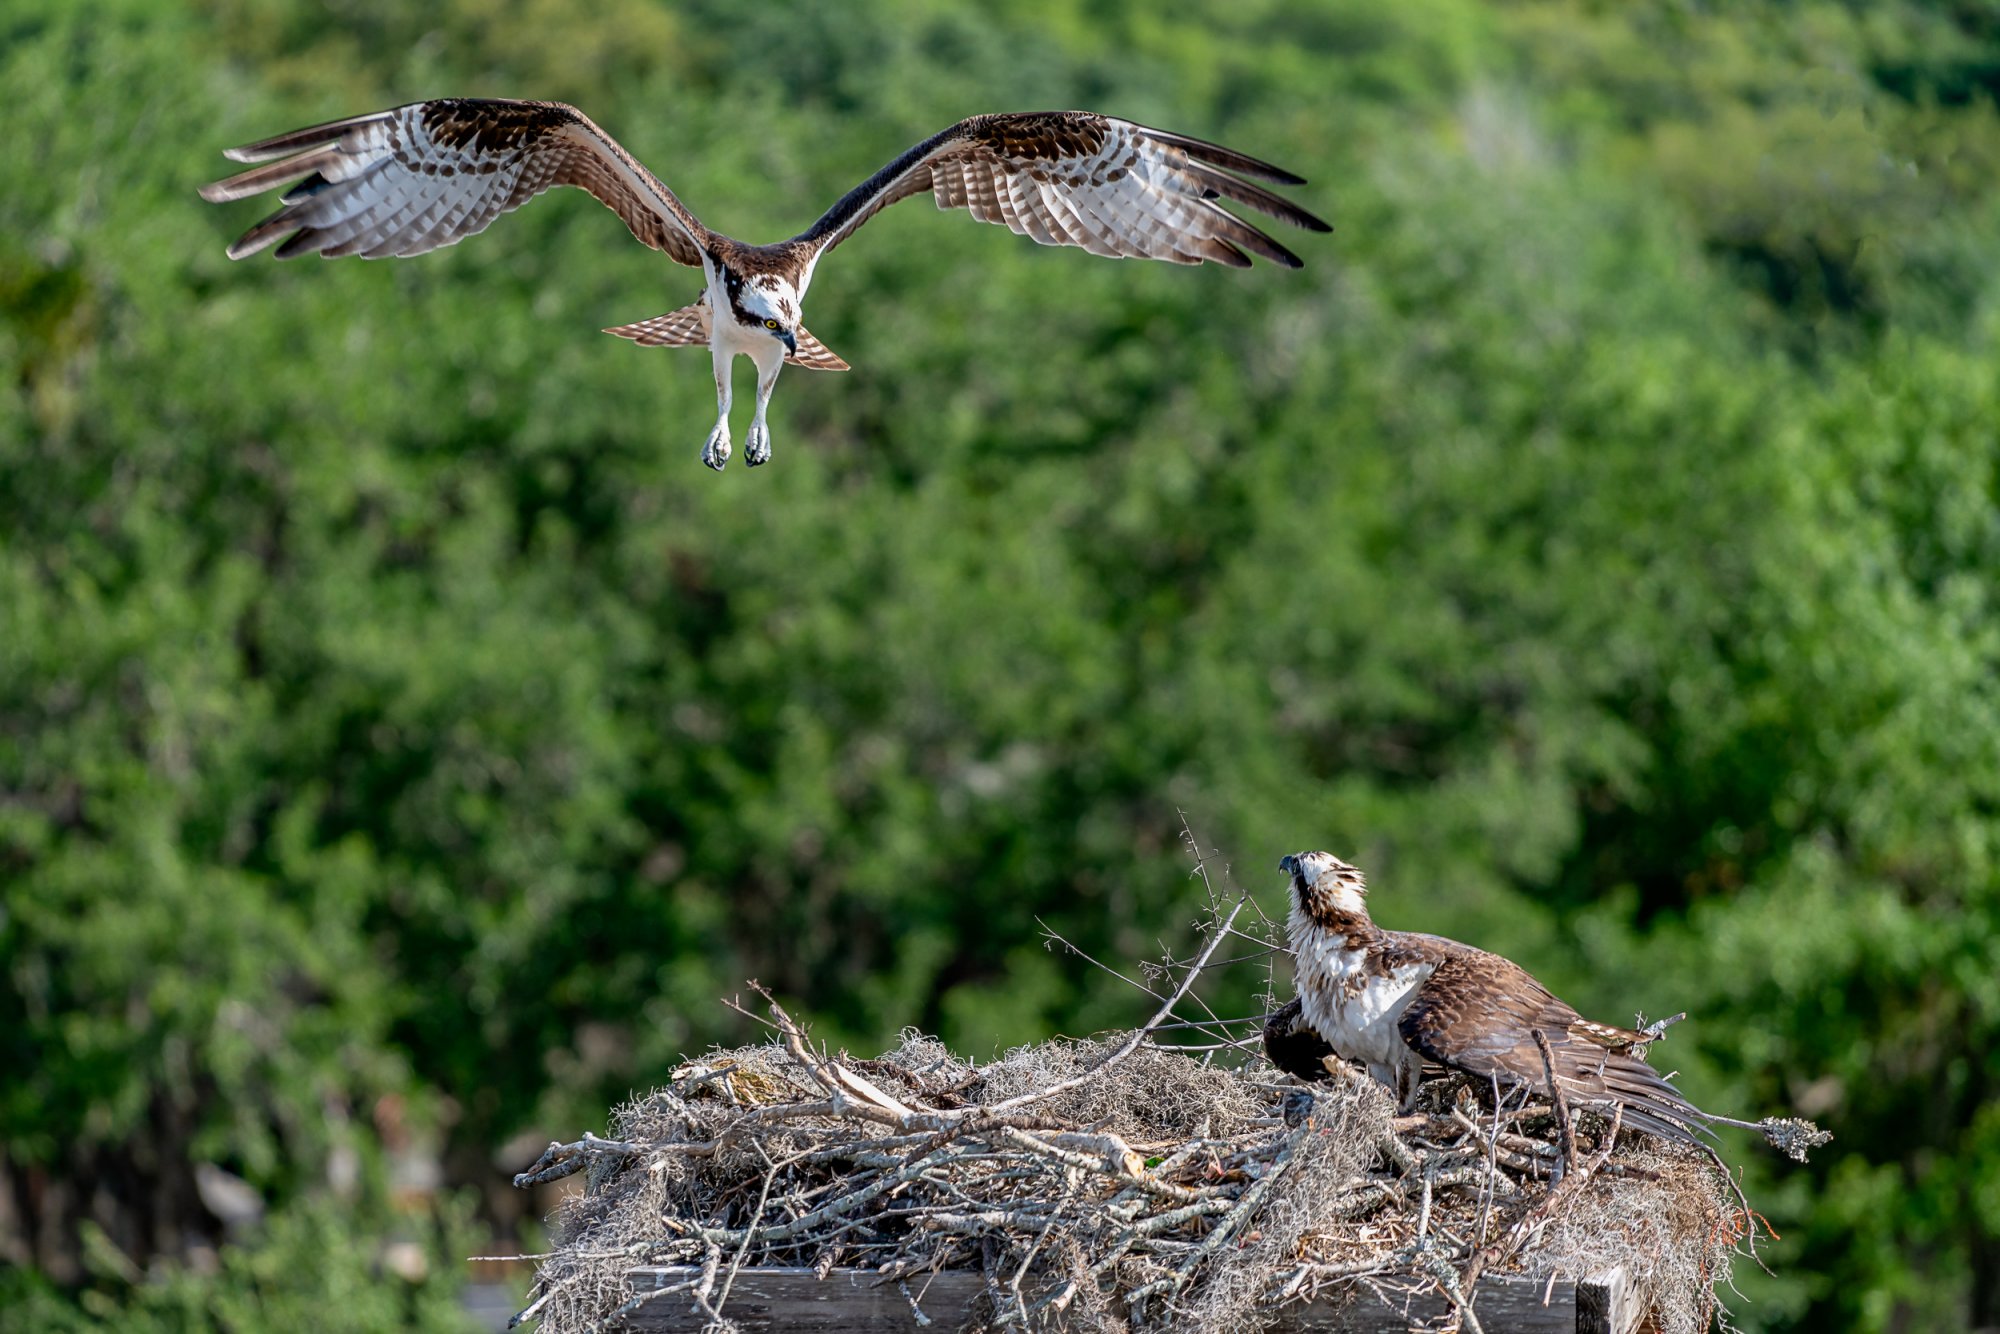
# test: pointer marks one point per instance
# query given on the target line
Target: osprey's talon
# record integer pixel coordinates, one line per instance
(757, 445)
(716, 452)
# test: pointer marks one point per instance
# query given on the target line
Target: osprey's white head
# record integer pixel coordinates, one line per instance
(1324, 886)
(767, 302)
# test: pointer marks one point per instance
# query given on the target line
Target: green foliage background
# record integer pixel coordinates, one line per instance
(404, 740)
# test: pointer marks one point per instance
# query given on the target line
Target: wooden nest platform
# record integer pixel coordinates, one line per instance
(1113, 1184)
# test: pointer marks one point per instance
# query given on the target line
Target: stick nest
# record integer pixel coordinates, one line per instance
(1110, 1184)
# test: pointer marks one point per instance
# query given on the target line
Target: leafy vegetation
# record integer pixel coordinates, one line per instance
(403, 739)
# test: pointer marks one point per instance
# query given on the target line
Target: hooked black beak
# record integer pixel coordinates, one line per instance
(791, 343)
(1288, 864)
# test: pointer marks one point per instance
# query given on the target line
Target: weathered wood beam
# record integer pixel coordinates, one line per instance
(849, 1301)
(1608, 1302)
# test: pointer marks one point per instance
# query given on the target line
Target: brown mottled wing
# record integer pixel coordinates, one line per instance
(1292, 1044)
(1076, 178)
(1479, 1012)
(429, 174)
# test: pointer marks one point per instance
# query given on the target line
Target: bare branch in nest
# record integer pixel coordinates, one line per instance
(560, 1160)
(1140, 1034)
(1564, 1126)
(1658, 1028)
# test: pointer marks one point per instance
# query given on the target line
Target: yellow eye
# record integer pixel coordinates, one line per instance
(770, 324)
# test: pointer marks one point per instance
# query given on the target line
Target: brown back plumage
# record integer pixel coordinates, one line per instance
(1478, 1012)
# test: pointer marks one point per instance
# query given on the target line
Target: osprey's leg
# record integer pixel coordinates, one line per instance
(1406, 1077)
(757, 445)
(716, 452)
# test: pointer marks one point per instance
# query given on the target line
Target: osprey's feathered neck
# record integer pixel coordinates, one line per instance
(1330, 895)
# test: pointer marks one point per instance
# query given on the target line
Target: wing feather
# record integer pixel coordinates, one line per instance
(1108, 186)
(293, 141)
(1479, 1012)
(1082, 227)
(814, 355)
(1031, 214)
(948, 182)
(430, 174)
(1203, 151)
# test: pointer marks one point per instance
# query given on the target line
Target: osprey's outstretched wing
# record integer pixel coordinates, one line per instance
(1479, 1013)
(1076, 178)
(428, 174)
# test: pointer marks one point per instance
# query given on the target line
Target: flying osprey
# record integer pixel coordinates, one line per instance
(429, 174)
(1395, 998)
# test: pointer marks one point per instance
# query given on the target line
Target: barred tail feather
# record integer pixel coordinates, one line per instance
(814, 355)
(686, 327)
(1650, 1102)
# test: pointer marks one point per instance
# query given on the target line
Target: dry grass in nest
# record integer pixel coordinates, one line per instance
(1151, 1189)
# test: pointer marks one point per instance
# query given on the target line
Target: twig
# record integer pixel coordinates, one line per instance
(1658, 1028)
(529, 1311)
(1238, 1044)
(1070, 1180)
(916, 1311)
(1563, 1123)
(756, 1217)
(1052, 935)
(706, 1283)
(560, 1160)
(642, 1298)
(1131, 1044)
(1460, 1297)
(1210, 1023)
(1231, 1222)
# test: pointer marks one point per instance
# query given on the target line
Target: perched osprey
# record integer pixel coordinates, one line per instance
(1395, 998)
(429, 174)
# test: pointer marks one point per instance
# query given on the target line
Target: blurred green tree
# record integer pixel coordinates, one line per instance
(403, 740)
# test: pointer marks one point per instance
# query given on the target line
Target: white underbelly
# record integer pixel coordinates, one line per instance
(1354, 1009)
(732, 339)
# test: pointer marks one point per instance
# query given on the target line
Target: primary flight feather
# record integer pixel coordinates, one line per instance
(430, 174)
